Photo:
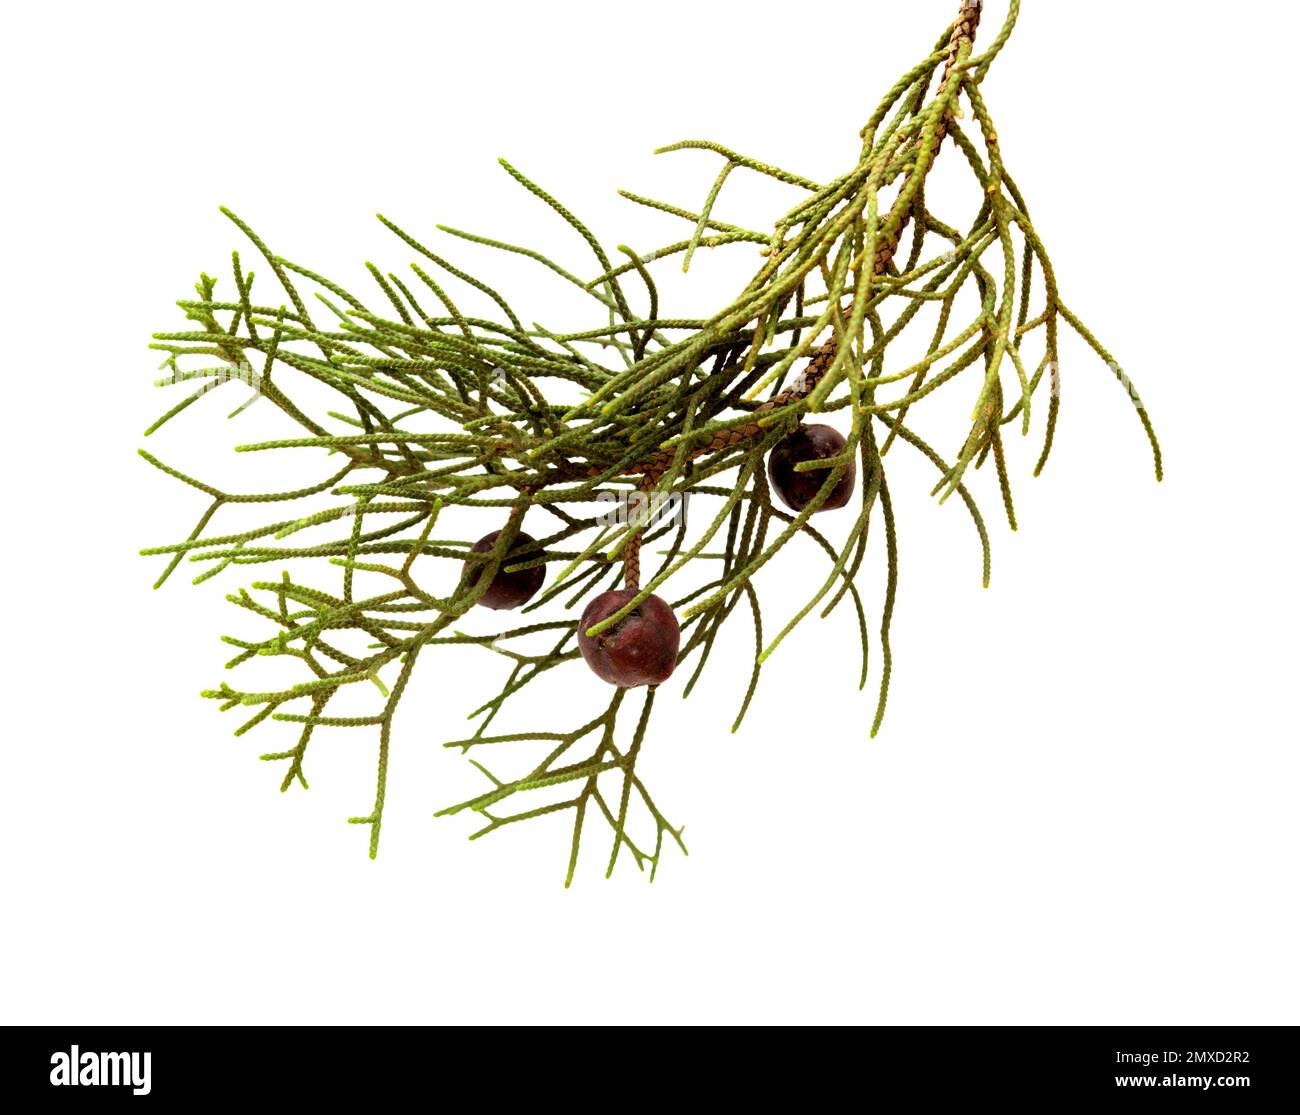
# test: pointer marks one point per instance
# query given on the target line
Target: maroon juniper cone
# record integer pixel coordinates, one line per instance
(809, 443)
(641, 649)
(509, 589)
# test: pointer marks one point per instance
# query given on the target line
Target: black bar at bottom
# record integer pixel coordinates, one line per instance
(1240, 1066)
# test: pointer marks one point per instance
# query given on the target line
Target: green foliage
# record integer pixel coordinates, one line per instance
(435, 408)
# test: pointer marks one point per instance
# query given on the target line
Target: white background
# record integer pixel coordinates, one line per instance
(1082, 807)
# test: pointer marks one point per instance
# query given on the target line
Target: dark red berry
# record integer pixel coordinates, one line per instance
(809, 443)
(508, 589)
(641, 649)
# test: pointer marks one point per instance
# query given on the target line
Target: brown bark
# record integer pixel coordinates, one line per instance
(963, 34)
